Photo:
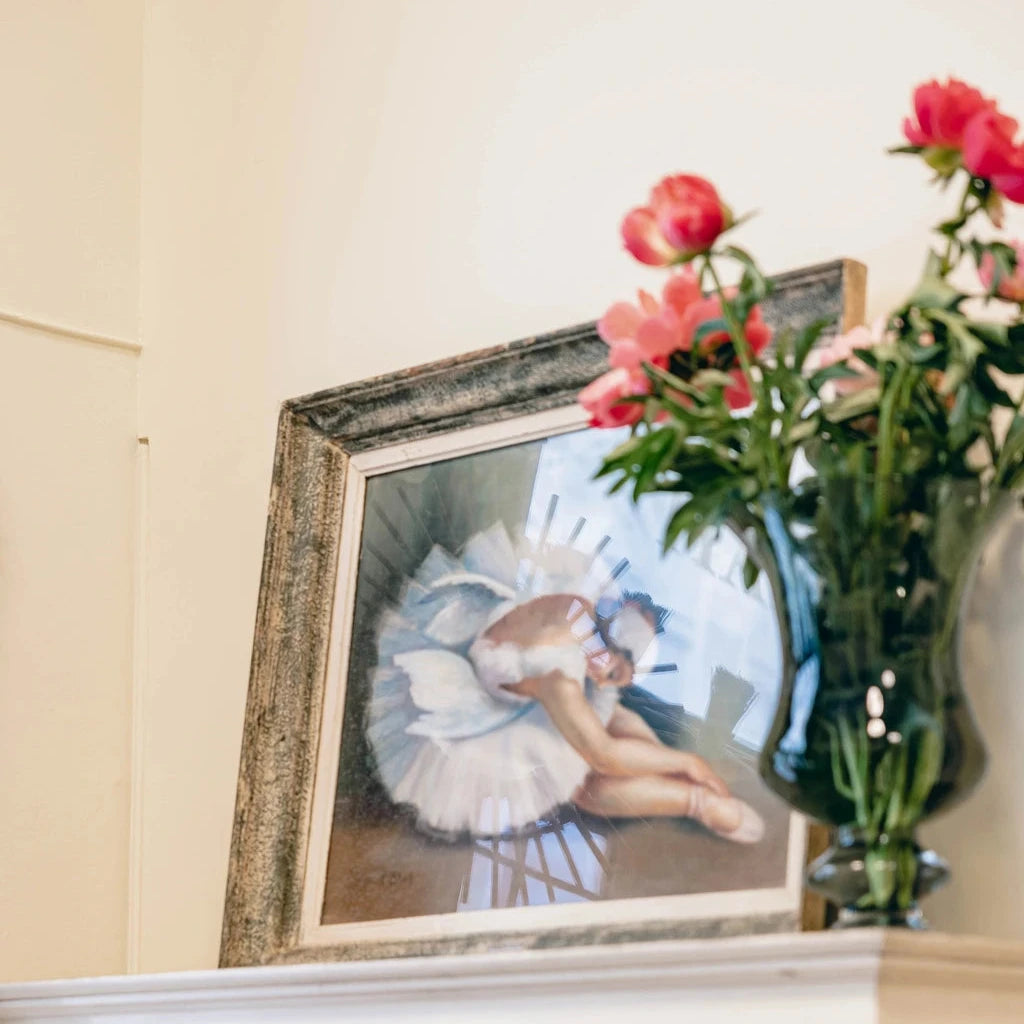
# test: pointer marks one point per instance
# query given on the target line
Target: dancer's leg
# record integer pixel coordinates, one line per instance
(628, 724)
(650, 796)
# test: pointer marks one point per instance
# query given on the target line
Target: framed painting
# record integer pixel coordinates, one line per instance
(484, 711)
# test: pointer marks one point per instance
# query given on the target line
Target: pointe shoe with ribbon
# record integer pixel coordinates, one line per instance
(728, 817)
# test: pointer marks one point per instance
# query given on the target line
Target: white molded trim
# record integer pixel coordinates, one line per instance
(797, 967)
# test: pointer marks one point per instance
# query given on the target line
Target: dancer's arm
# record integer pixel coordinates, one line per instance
(564, 701)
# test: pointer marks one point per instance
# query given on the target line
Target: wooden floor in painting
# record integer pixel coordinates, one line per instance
(386, 869)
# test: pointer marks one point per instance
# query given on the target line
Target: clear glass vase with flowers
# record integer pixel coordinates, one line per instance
(862, 472)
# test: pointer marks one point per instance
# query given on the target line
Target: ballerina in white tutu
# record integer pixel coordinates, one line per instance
(495, 700)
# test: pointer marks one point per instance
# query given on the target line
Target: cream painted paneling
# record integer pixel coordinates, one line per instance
(70, 94)
(67, 469)
(335, 188)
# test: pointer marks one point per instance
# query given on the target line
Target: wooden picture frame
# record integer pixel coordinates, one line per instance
(328, 444)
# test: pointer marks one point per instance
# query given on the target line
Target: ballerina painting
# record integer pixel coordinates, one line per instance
(496, 704)
(539, 708)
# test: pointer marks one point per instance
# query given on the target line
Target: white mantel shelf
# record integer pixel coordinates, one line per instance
(850, 977)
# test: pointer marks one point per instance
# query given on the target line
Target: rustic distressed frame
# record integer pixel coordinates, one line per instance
(317, 435)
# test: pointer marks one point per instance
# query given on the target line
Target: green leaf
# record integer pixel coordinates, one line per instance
(707, 328)
(679, 522)
(969, 345)
(750, 573)
(960, 427)
(712, 379)
(759, 286)
(676, 383)
(837, 371)
(1004, 260)
(921, 355)
(753, 288)
(656, 456)
(990, 391)
(933, 291)
(1012, 450)
(805, 341)
(991, 334)
(1005, 360)
(1015, 336)
(851, 406)
(802, 430)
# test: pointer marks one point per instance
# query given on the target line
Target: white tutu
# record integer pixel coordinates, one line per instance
(448, 739)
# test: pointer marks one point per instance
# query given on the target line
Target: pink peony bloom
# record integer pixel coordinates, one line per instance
(603, 398)
(681, 290)
(758, 333)
(1010, 288)
(989, 152)
(650, 331)
(942, 113)
(643, 238)
(683, 218)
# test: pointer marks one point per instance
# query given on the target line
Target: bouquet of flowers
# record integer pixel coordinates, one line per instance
(860, 470)
(720, 415)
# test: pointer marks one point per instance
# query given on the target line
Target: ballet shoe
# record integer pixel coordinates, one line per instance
(751, 825)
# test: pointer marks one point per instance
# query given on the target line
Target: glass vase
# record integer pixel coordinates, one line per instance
(873, 733)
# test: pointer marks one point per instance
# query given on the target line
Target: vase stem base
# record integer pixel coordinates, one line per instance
(877, 881)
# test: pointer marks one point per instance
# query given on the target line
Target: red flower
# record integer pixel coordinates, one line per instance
(689, 212)
(603, 398)
(683, 218)
(738, 394)
(991, 153)
(943, 112)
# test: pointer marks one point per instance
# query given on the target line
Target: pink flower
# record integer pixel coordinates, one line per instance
(643, 238)
(757, 332)
(989, 152)
(681, 290)
(650, 331)
(1010, 288)
(942, 113)
(683, 218)
(841, 350)
(603, 398)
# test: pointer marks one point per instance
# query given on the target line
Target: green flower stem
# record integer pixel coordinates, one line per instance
(746, 358)
(947, 259)
(736, 331)
(856, 767)
(887, 443)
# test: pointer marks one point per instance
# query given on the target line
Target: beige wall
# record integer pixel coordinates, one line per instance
(331, 189)
(70, 76)
(335, 189)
